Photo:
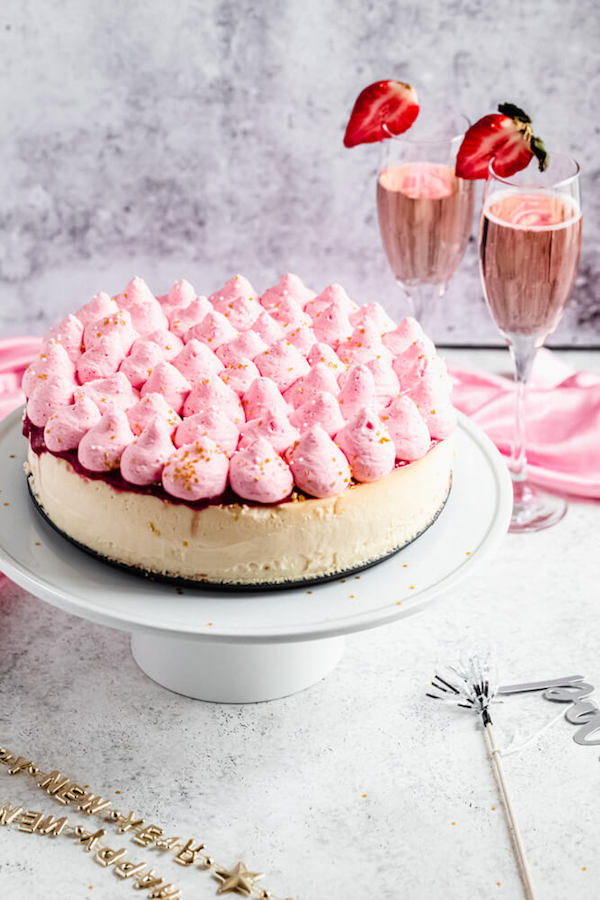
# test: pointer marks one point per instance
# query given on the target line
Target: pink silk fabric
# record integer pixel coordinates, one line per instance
(563, 420)
(563, 413)
(15, 356)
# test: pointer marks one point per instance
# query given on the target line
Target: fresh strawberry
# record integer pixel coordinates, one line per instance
(382, 110)
(506, 137)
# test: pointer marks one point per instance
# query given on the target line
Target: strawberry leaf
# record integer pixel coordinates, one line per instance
(514, 112)
(539, 151)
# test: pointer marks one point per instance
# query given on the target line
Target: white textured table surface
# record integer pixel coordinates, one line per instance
(357, 788)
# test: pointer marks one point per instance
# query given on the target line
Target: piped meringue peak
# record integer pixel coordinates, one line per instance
(260, 392)
(318, 465)
(258, 473)
(368, 446)
(196, 471)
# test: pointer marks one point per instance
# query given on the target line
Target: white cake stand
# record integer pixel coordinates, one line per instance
(244, 647)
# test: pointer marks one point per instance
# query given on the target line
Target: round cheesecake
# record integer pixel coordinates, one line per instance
(304, 539)
(237, 440)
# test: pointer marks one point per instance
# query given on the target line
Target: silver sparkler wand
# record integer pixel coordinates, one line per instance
(469, 686)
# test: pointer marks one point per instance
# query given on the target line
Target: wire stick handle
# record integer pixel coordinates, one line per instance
(513, 828)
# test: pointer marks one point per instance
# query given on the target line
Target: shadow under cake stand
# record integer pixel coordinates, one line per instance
(241, 647)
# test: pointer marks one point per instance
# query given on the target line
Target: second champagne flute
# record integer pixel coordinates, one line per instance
(529, 249)
(425, 211)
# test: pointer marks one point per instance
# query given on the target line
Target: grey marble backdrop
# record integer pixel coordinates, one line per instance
(203, 137)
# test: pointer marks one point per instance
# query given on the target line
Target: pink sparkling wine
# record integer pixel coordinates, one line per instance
(529, 250)
(425, 214)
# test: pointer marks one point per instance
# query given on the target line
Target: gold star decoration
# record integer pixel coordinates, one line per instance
(237, 880)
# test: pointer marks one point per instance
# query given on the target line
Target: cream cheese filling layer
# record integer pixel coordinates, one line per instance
(241, 544)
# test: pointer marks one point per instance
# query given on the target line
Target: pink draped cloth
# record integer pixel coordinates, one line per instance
(563, 413)
(563, 420)
(15, 356)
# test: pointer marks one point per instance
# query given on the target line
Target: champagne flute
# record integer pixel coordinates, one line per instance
(528, 251)
(425, 211)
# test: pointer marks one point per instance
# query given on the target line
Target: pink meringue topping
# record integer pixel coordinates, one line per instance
(335, 294)
(289, 286)
(259, 474)
(48, 397)
(332, 325)
(323, 353)
(275, 427)
(182, 318)
(213, 330)
(386, 381)
(365, 344)
(289, 314)
(101, 360)
(137, 291)
(268, 329)
(357, 390)
(245, 346)
(410, 364)
(319, 467)
(143, 307)
(263, 396)
(367, 446)
(148, 408)
(407, 429)
(168, 342)
(143, 459)
(320, 378)
(236, 288)
(167, 380)
(321, 409)
(432, 398)
(196, 471)
(211, 393)
(139, 364)
(239, 376)
(241, 312)
(303, 338)
(252, 379)
(114, 391)
(100, 449)
(181, 294)
(374, 313)
(196, 360)
(66, 427)
(406, 333)
(100, 305)
(212, 424)
(52, 360)
(69, 333)
(117, 327)
(283, 364)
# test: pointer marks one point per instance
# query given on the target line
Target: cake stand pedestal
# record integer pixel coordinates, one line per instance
(235, 673)
(240, 647)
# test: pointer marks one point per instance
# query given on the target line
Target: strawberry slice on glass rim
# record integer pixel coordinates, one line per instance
(382, 110)
(506, 137)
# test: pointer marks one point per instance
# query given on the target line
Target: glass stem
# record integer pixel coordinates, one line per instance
(523, 349)
(422, 297)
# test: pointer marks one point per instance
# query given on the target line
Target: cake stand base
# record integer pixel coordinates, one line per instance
(233, 672)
